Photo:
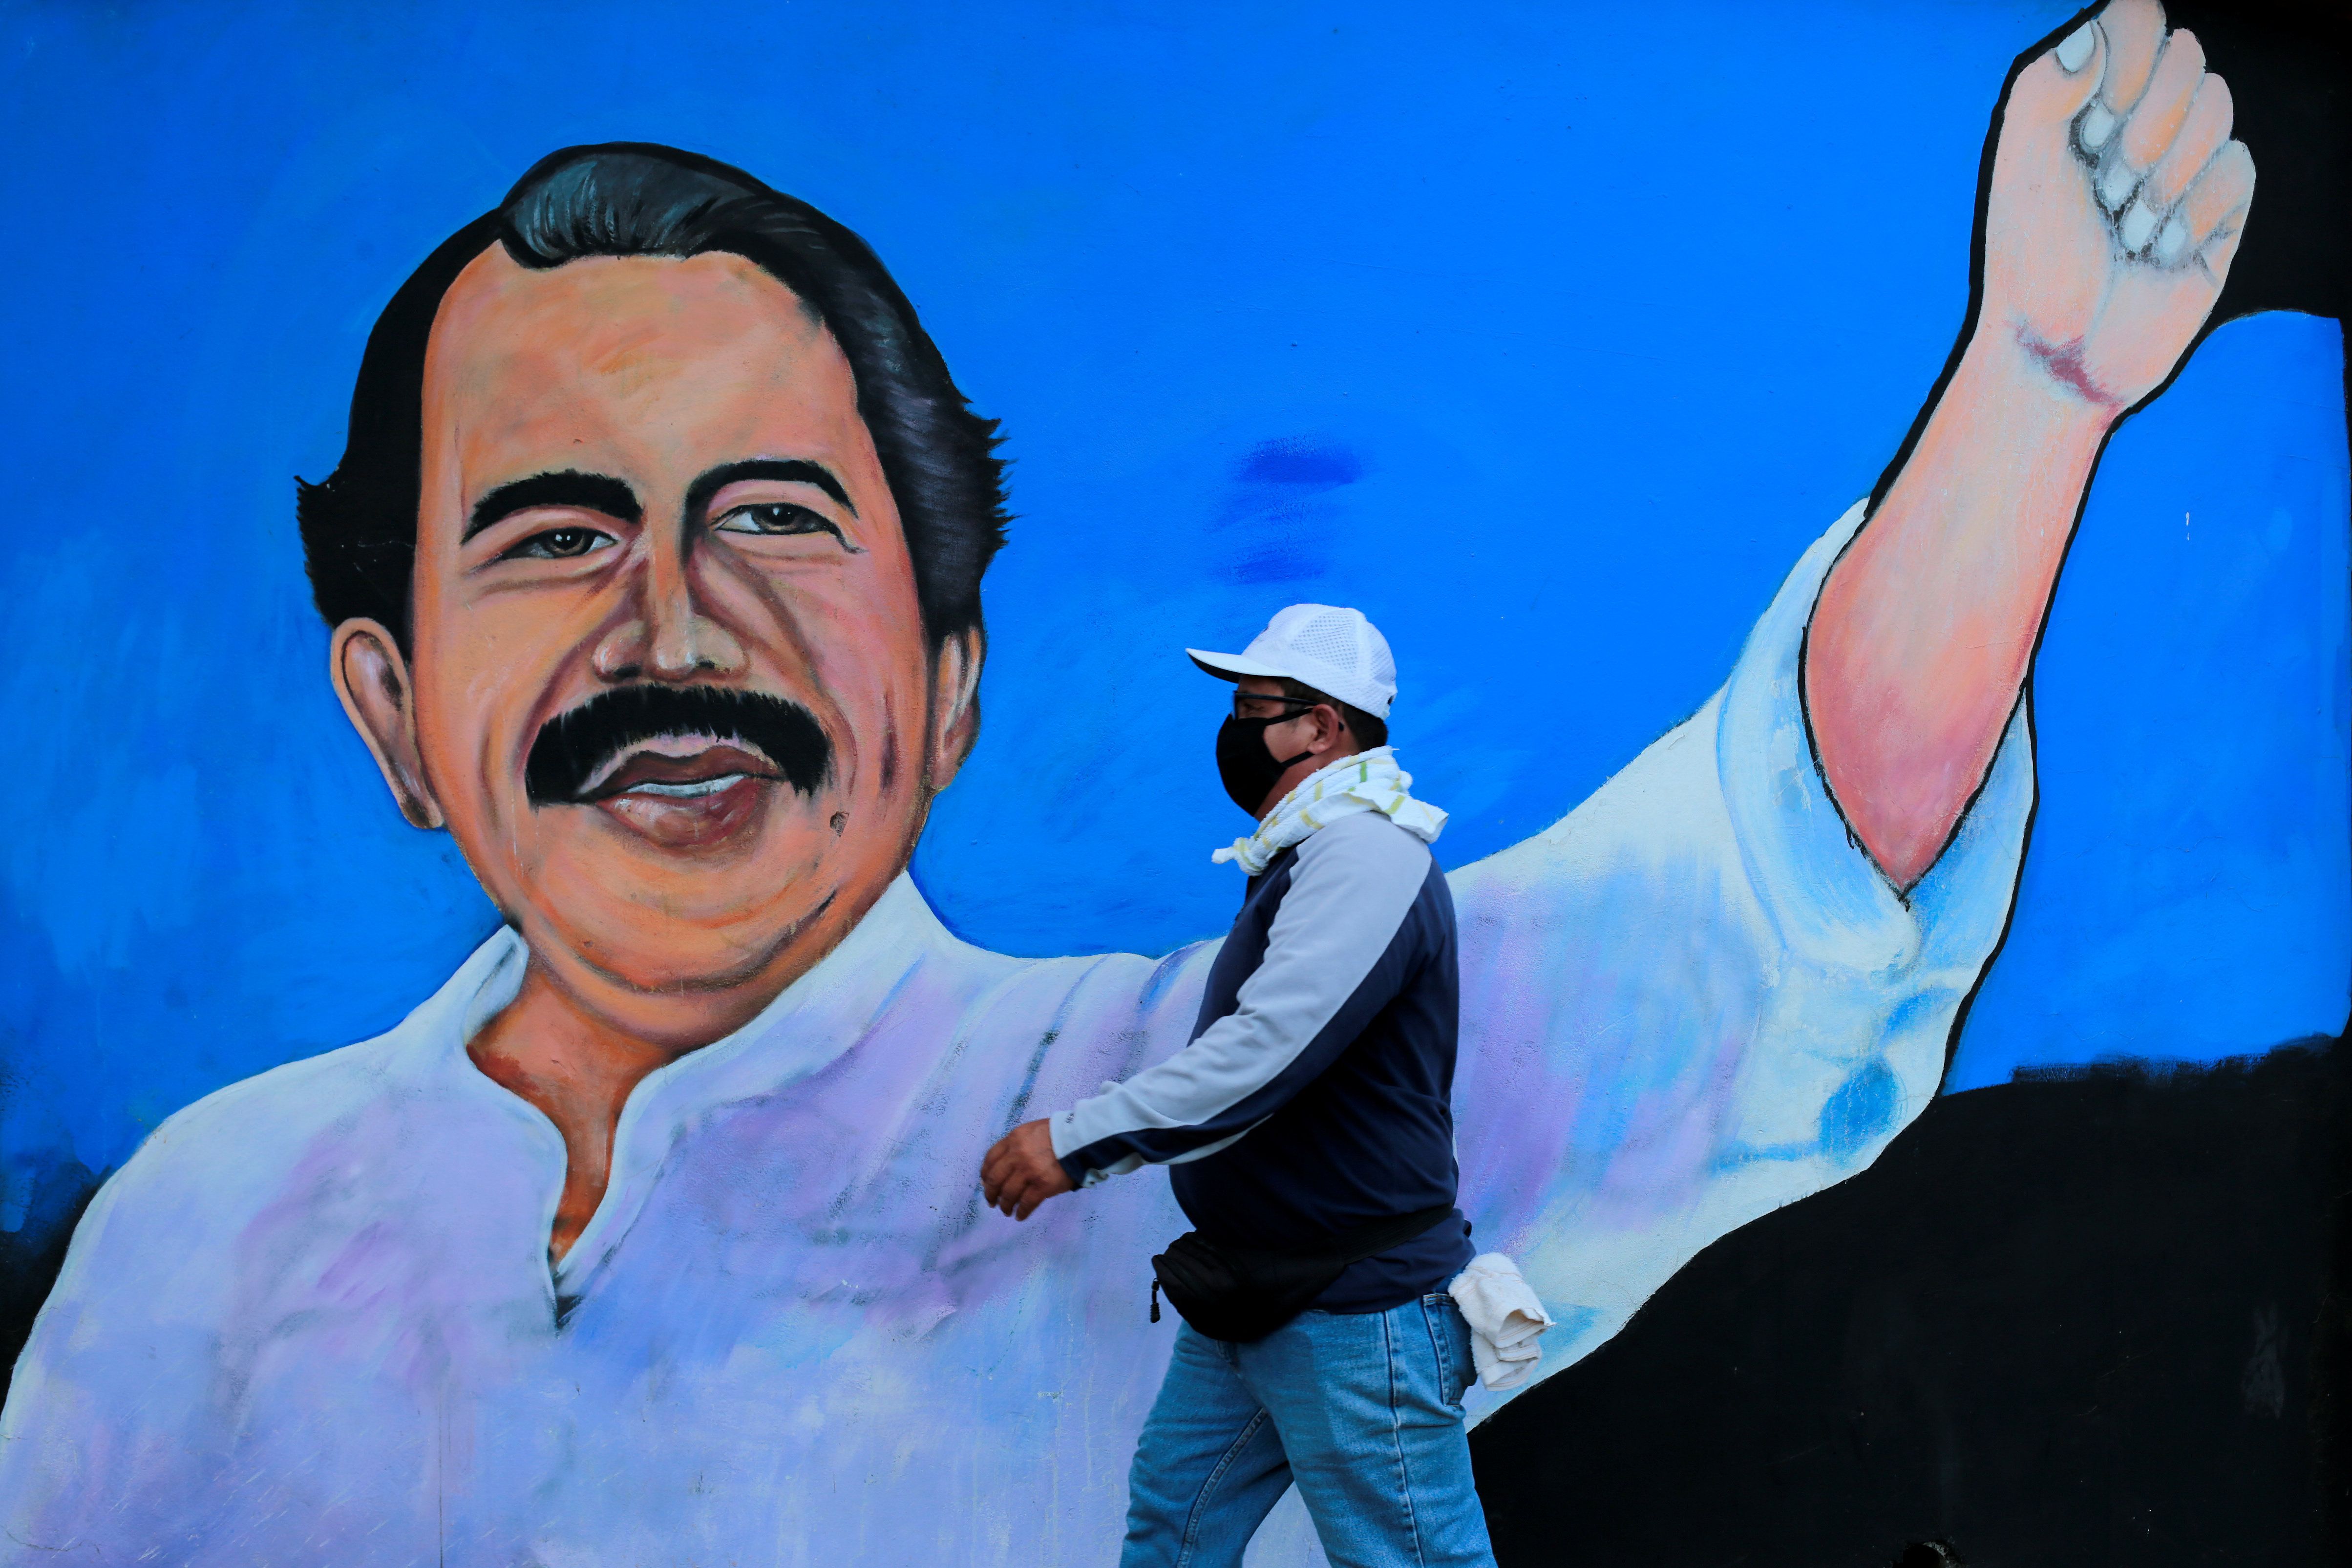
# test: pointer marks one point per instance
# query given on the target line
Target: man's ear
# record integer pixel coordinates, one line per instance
(1331, 732)
(372, 678)
(955, 704)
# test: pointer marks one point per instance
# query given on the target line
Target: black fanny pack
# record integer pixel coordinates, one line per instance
(1243, 1294)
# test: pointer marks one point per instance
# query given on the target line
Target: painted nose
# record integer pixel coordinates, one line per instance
(668, 638)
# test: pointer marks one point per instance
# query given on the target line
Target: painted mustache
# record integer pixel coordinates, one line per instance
(573, 747)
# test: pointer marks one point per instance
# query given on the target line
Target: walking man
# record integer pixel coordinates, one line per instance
(1308, 1130)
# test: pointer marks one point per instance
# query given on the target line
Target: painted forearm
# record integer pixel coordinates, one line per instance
(2113, 209)
(1927, 627)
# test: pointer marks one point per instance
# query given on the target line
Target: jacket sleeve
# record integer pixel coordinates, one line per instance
(1341, 946)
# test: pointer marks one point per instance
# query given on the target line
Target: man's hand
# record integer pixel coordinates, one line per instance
(2114, 205)
(1021, 1172)
(2117, 201)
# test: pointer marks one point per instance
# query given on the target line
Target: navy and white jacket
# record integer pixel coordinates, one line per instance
(1317, 1093)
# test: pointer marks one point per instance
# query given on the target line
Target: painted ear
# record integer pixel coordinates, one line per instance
(955, 704)
(371, 676)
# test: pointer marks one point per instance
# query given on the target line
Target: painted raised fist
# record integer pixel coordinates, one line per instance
(2117, 201)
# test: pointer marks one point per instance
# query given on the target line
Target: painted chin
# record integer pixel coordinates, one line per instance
(717, 814)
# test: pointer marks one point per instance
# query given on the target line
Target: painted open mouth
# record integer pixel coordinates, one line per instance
(686, 793)
(680, 768)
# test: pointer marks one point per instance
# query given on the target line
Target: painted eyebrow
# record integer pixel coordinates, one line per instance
(788, 470)
(591, 492)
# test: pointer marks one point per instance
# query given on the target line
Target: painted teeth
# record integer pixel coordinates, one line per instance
(687, 790)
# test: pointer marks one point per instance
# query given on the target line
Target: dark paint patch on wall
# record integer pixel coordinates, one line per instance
(2287, 63)
(31, 1253)
(2095, 1317)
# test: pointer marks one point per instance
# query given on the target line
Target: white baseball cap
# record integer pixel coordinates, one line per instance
(1333, 649)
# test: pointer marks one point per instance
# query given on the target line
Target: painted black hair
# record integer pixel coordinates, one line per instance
(359, 526)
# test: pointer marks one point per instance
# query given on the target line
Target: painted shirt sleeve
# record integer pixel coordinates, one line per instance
(1322, 979)
(1694, 998)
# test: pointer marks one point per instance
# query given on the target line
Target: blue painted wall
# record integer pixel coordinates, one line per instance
(1549, 340)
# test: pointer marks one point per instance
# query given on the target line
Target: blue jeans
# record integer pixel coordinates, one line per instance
(1361, 1410)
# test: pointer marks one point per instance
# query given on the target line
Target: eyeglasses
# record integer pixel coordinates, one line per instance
(1258, 705)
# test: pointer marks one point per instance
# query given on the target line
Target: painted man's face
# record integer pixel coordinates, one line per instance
(668, 679)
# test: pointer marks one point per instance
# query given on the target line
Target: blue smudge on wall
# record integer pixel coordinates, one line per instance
(1285, 517)
(1862, 1109)
(1285, 513)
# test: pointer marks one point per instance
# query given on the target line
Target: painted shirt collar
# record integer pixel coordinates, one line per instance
(809, 1025)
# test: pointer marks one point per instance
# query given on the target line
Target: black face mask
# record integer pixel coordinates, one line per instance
(1248, 769)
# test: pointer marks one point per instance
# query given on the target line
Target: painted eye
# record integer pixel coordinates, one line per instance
(774, 518)
(560, 544)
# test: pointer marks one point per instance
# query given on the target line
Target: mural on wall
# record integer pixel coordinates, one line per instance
(644, 1223)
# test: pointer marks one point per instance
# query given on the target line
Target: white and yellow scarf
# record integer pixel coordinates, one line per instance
(1368, 781)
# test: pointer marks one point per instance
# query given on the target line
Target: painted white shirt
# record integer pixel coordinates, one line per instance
(312, 1320)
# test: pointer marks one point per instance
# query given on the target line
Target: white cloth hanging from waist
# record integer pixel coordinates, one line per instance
(1505, 1320)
